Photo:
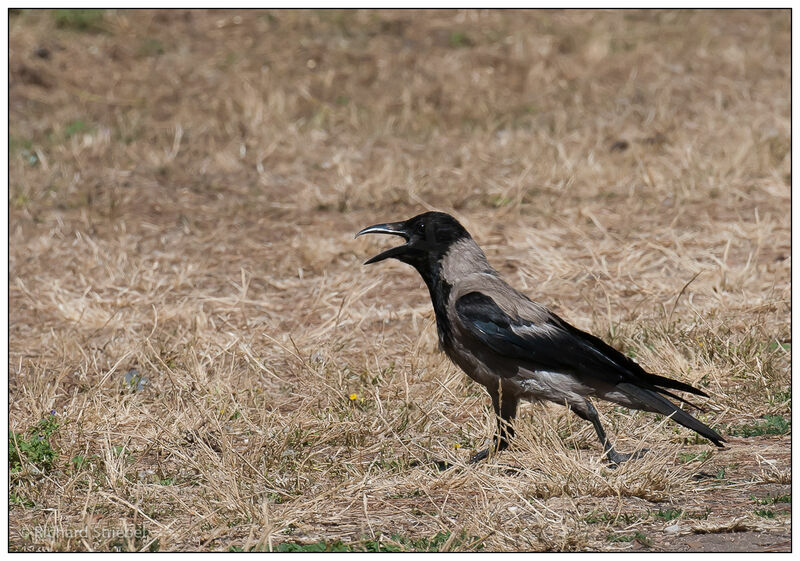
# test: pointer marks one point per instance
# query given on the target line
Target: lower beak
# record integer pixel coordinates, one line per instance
(393, 228)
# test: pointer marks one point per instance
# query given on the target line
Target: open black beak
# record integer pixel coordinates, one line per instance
(394, 228)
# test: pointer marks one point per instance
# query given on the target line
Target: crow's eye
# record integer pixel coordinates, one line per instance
(421, 228)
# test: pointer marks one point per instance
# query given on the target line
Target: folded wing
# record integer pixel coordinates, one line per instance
(551, 344)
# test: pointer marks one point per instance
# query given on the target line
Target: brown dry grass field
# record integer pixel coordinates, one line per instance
(198, 359)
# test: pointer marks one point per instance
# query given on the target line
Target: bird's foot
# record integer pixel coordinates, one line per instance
(440, 465)
(498, 445)
(483, 454)
(616, 458)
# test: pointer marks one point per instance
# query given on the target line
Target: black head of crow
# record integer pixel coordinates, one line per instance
(428, 238)
(517, 348)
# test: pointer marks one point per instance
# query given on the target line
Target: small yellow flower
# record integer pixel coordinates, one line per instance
(353, 396)
(456, 446)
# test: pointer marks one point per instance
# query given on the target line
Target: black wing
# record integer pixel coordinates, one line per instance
(557, 346)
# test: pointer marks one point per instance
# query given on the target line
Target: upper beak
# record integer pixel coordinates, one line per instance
(394, 228)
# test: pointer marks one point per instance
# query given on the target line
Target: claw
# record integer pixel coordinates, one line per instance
(616, 458)
(479, 456)
(442, 465)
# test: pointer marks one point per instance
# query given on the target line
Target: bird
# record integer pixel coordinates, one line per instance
(517, 348)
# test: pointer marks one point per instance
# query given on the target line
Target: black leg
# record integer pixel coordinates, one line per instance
(505, 408)
(589, 413)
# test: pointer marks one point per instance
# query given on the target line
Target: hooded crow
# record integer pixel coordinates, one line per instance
(517, 348)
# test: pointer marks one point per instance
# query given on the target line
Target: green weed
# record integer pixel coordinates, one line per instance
(595, 518)
(75, 127)
(395, 543)
(150, 47)
(24, 148)
(16, 144)
(699, 515)
(772, 500)
(687, 457)
(771, 424)
(35, 448)
(638, 536)
(81, 19)
(781, 398)
(434, 543)
(16, 499)
(317, 547)
(458, 39)
(669, 514)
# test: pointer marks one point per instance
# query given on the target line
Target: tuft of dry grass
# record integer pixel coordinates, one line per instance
(189, 313)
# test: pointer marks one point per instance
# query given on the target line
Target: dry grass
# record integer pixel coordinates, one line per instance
(184, 191)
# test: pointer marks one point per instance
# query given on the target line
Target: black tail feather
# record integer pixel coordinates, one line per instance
(654, 402)
(682, 400)
(663, 382)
